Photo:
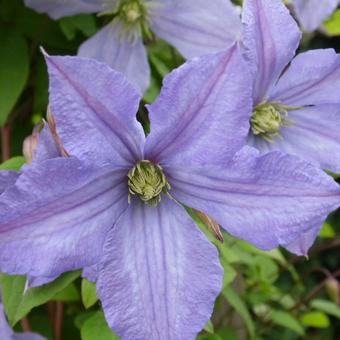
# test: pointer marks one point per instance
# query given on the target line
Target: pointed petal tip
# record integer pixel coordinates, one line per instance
(163, 250)
(43, 51)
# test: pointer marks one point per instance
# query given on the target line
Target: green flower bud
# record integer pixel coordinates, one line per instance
(147, 180)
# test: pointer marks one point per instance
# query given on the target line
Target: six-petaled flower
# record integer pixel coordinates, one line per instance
(113, 202)
(296, 102)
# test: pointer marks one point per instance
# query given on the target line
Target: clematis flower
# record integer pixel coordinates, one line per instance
(7, 178)
(194, 27)
(312, 13)
(7, 333)
(114, 204)
(296, 102)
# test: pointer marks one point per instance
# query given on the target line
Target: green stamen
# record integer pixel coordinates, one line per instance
(132, 11)
(132, 17)
(147, 180)
(268, 118)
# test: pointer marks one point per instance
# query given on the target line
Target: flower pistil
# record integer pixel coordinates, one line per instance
(147, 181)
(133, 16)
(268, 118)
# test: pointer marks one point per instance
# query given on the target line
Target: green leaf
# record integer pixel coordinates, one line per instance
(152, 92)
(40, 99)
(12, 288)
(286, 320)
(15, 163)
(84, 23)
(274, 254)
(315, 319)
(160, 65)
(327, 231)
(163, 58)
(88, 293)
(229, 273)
(209, 337)
(209, 327)
(14, 68)
(19, 303)
(81, 318)
(332, 25)
(265, 269)
(69, 293)
(241, 308)
(230, 254)
(95, 327)
(227, 333)
(40, 29)
(326, 306)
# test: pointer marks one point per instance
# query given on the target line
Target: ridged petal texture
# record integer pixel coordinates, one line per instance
(202, 113)
(160, 275)
(196, 27)
(309, 85)
(57, 9)
(269, 200)
(312, 13)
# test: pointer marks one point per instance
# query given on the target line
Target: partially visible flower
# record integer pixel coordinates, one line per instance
(312, 13)
(194, 27)
(114, 206)
(296, 101)
(43, 144)
(7, 333)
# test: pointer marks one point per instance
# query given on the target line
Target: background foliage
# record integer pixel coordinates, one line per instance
(266, 295)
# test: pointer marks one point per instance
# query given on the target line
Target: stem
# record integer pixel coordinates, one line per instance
(26, 327)
(51, 312)
(6, 142)
(58, 321)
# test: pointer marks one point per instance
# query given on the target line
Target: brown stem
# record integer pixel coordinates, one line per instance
(312, 294)
(6, 142)
(58, 321)
(26, 327)
(51, 312)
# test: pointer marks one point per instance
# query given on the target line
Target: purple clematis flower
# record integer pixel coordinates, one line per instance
(6, 332)
(312, 13)
(7, 178)
(194, 27)
(296, 101)
(113, 203)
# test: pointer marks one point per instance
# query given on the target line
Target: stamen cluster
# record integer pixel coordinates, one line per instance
(147, 181)
(268, 118)
(133, 17)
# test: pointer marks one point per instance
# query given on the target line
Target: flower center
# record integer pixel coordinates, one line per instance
(132, 15)
(268, 118)
(147, 180)
(132, 11)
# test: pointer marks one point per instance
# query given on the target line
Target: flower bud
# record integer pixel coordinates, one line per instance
(29, 146)
(333, 289)
(53, 128)
(213, 226)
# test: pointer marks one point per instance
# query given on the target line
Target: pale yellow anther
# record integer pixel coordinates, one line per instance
(147, 181)
(132, 11)
(268, 118)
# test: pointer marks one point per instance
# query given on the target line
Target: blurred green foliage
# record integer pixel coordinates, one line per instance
(266, 295)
